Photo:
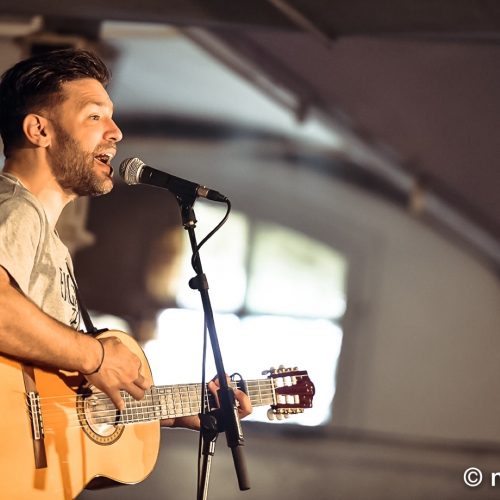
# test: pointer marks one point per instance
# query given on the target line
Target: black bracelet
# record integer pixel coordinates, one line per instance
(100, 364)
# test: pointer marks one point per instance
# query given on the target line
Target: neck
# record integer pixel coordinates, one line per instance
(36, 176)
(171, 401)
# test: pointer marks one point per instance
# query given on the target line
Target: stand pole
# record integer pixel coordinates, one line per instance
(226, 418)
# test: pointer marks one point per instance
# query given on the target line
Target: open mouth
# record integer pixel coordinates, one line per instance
(104, 158)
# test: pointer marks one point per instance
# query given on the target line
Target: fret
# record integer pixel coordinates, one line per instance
(189, 399)
(144, 405)
(125, 414)
(139, 413)
(177, 401)
(171, 402)
(156, 391)
(154, 414)
(207, 400)
(273, 385)
(146, 409)
(162, 401)
(151, 404)
(189, 393)
(131, 411)
(134, 411)
(182, 393)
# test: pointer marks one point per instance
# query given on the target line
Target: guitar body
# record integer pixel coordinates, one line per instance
(85, 442)
(78, 454)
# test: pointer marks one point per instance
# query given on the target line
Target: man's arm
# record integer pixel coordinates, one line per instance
(28, 333)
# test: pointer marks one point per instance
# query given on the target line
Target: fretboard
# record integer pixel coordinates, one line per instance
(171, 401)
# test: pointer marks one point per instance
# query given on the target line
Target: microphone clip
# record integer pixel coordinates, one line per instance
(199, 282)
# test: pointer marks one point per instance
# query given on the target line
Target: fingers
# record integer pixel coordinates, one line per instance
(120, 370)
(143, 382)
(214, 386)
(244, 404)
(245, 407)
(191, 422)
(116, 399)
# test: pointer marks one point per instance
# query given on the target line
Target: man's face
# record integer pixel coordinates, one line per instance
(85, 139)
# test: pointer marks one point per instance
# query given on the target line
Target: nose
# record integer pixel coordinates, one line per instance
(113, 133)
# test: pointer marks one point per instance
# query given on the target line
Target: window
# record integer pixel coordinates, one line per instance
(277, 296)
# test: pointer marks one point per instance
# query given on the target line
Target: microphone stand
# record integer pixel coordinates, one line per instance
(226, 417)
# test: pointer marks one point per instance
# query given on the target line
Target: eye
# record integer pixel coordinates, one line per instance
(95, 117)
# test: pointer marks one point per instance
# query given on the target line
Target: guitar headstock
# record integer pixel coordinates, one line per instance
(293, 391)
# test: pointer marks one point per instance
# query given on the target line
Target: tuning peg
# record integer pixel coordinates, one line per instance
(286, 415)
(279, 416)
(270, 414)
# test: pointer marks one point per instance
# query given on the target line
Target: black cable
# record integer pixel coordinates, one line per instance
(210, 234)
(202, 403)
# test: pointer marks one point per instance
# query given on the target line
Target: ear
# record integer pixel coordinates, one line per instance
(36, 130)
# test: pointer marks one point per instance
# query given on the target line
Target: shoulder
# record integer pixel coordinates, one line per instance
(18, 204)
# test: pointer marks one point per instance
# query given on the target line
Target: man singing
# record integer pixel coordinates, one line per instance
(59, 140)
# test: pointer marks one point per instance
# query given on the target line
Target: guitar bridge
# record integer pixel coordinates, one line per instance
(35, 415)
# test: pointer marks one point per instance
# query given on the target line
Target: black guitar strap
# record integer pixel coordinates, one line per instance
(90, 328)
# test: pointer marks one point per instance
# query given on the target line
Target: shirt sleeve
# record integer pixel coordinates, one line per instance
(20, 230)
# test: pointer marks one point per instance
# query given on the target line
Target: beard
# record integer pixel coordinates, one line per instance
(73, 168)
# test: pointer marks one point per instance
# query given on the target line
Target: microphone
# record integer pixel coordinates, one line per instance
(134, 171)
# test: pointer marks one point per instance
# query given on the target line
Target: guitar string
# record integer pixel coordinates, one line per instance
(127, 419)
(149, 416)
(174, 395)
(170, 406)
(54, 401)
(169, 390)
(148, 402)
(168, 409)
(172, 399)
(161, 391)
(137, 414)
(138, 411)
(250, 383)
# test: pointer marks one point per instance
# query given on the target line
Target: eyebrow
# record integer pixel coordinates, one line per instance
(84, 104)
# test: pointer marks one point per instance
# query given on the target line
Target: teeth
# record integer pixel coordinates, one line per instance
(105, 158)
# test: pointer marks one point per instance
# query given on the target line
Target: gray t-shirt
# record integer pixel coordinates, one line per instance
(33, 254)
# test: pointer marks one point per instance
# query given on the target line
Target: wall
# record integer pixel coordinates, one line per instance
(420, 350)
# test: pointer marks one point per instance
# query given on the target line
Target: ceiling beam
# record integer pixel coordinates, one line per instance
(176, 12)
(331, 18)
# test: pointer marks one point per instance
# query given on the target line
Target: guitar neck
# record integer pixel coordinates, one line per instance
(172, 401)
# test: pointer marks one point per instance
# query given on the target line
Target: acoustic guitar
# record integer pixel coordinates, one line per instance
(64, 435)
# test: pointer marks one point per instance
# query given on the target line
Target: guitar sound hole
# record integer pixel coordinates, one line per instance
(101, 415)
(98, 417)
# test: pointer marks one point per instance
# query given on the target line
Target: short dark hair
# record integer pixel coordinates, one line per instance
(35, 84)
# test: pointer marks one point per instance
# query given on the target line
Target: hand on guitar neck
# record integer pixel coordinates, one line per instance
(193, 421)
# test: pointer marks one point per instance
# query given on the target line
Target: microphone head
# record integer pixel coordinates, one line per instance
(130, 170)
